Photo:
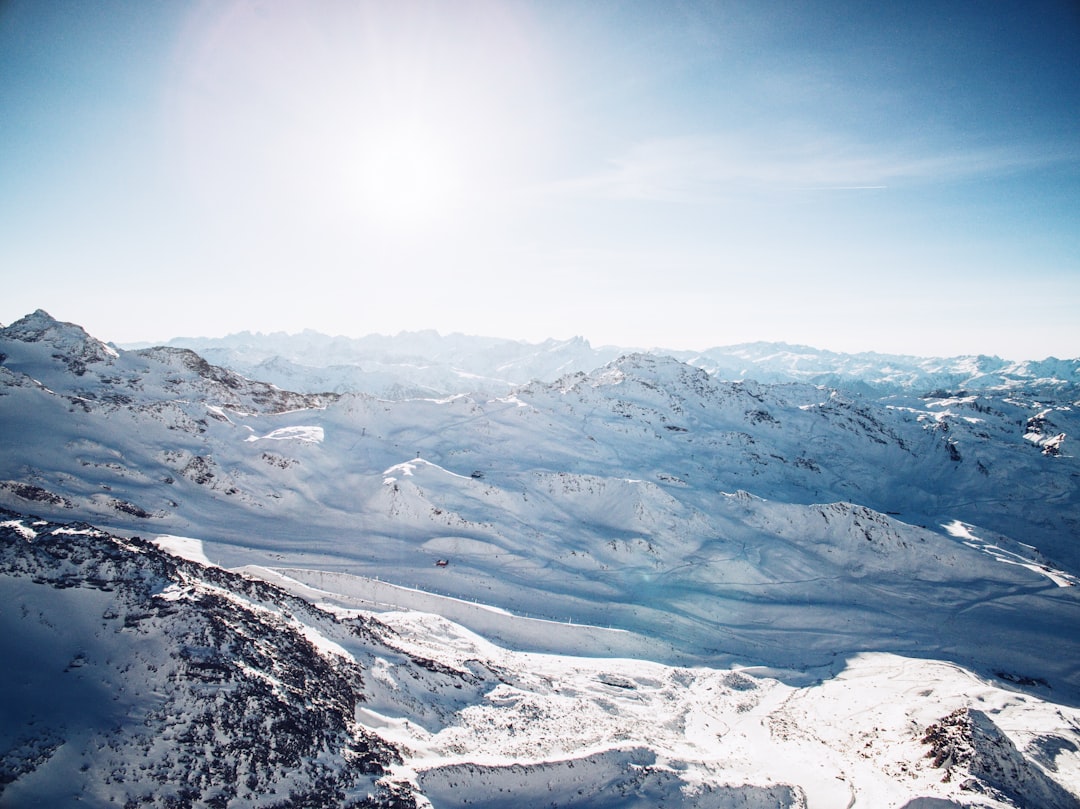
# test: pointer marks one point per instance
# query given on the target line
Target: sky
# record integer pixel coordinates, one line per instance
(901, 178)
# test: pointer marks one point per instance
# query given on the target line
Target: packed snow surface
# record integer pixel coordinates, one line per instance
(313, 435)
(568, 730)
(184, 547)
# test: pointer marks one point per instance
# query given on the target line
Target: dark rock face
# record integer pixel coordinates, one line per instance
(183, 686)
(967, 744)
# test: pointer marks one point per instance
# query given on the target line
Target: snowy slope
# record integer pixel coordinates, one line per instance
(145, 678)
(608, 498)
(813, 535)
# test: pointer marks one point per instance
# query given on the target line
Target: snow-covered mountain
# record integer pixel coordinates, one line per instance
(408, 365)
(43, 351)
(790, 594)
(413, 364)
(881, 374)
(143, 678)
(137, 677)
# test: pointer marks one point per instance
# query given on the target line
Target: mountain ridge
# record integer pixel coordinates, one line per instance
(641, 417)
(391, 367)
(429, 696)
(776, 539)
(212, 689)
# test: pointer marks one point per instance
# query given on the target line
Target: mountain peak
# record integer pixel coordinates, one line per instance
(68, 339)
(655, 368)
(37, 326)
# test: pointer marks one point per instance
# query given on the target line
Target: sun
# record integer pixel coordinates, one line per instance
(407, 175)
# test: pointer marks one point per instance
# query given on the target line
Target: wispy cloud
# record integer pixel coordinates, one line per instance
(695, 169)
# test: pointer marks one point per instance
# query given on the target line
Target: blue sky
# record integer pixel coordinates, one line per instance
(677, 174)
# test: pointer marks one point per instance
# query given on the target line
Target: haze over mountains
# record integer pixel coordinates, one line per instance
(414, 364)
(816, 580)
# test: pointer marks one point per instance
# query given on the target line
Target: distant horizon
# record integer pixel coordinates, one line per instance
(138, 344)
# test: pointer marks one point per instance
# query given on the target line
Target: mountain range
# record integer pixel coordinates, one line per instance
(515, 576)
(418, 364)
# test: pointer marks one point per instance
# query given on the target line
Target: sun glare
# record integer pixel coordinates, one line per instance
(406, 175)
(369, 117)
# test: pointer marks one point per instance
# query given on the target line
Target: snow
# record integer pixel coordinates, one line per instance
(78, 531)
(322, 644)
(607, 619)
(850, 739)
(554, 530)
(175, 592)
(409, 469)
(218, 412)
(184, 547)
(1010, 557)
(516, 631)
(17, 525)
(309, 434)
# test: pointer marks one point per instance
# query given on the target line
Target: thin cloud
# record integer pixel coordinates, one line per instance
(703, 169)
(844, 188)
